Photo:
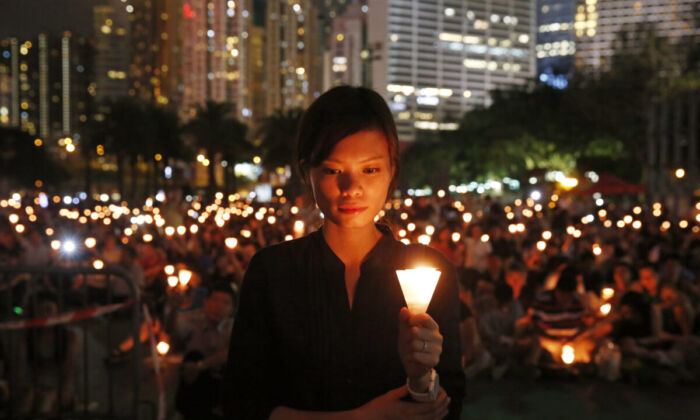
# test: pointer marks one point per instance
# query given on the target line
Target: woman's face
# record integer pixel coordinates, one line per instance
(351, 185)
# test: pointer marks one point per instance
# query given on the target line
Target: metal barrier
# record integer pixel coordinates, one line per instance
(57, 326)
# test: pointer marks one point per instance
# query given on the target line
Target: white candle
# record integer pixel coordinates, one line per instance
(418, 285)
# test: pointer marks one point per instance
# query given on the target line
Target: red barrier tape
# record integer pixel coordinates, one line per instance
(64, 318)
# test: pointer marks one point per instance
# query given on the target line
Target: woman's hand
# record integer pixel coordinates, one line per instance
(420, 347)
(391, 407)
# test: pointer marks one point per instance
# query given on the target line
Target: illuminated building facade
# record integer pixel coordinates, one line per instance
(556, 41)
(436, 59)
(254, 90)
(43, 85)
(598, 22)
(111, 52)
(215, 54)
(292, 65)
(342, 60)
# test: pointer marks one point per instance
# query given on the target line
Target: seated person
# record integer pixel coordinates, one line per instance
(204, 336)
(516, 278)
(497, 327)
(557, 317)
(647, 354)
(674, 312)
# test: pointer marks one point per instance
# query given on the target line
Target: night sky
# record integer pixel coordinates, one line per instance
(26, 18)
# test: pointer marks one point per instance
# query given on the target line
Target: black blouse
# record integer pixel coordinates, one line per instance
(297, 343)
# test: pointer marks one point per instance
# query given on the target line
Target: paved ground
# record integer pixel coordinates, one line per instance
(578, 399)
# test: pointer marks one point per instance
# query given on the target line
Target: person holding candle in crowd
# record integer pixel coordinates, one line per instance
(321, 330)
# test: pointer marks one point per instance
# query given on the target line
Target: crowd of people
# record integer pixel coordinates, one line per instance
(557, 284)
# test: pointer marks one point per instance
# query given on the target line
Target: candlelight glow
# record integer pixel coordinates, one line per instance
(605, 308)
(169, 231)
(147, 237)
(546, 235)
(163, 348)
(430, 229)
(194, 229)
(98, 264)
(541, 245)
(411, 227)
(597, 250)
(418, 285)
(13, 218)
(467, 217)
(184, 276)
(90, 242)
(231, 243)
(169, 270)
(19, 228)
(512, 228)
(55, 244)
(288, 237)
(173, 281)
(456, 237)
(181, 230)
(424, 239)
(484, 237)
(607, 293)
(567, 354)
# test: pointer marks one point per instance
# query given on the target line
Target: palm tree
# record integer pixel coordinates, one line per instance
(126, 133)
(278, 143)
(215, 130)
(22, 163)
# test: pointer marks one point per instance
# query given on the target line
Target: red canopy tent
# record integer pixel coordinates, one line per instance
(609, 184)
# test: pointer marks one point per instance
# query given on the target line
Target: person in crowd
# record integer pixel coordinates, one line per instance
(675, 316)
(476, 251)
(321, 331)
(203, 336)
(558, 316)
(523, 291)
(45, 369)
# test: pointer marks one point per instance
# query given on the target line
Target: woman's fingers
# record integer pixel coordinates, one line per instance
(423, 320)
(429, 360)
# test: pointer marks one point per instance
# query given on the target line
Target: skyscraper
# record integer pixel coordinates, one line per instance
(342, 59)
(112, 55)
(598, 23)
(435, 60)
(43, 85)
(292, 72)
(556, 41)
(215, 54)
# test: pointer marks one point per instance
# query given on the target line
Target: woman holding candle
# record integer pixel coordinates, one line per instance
(321, 330)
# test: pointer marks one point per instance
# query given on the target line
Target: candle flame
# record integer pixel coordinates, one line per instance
(567, 354)
(418, 285)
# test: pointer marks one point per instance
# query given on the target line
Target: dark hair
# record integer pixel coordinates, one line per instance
(339, 113)
(223, 288)
(503, 293)
(567, 279)
(517, 266)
